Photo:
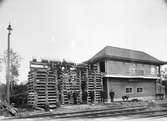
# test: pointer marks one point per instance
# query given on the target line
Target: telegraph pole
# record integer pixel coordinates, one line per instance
(8, 65)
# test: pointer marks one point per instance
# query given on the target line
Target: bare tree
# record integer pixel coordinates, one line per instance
(15, 60)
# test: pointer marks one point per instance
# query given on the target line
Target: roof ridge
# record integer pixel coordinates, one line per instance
(114, 52)
(133, 51)
(125, 48)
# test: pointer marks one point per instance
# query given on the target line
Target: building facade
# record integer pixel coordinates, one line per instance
(129, 73)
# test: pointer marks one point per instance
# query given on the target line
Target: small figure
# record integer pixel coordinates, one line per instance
(84, 97)
(91, 96)
(101, 96)
(75, 97)
(47, 107)
(69, 97)
(112, 94)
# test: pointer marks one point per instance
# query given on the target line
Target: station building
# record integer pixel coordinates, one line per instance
(131, 73)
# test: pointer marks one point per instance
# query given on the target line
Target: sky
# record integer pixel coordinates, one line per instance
(78, 29)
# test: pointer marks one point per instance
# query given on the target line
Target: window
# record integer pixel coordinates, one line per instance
(153, 70)
(102, 66)
(139, 89)
(128, 90)
(132, 68)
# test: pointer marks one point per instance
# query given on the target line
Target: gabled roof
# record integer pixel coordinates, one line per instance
(115, 53)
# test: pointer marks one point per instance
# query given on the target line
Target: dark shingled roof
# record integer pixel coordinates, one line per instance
(116, 53)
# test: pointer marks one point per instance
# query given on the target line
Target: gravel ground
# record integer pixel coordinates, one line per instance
(89, 119)
(72, 108)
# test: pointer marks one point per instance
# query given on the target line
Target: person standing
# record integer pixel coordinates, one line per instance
(101, 96)
(91, 96)
(84, 97)
(112, 94)
(75, 97)
(69, 97)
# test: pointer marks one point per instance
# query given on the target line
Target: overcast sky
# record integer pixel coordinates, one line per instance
(78, 29)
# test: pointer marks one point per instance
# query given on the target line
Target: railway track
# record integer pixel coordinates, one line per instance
(80, 113)
(139, 111)
(128, 113)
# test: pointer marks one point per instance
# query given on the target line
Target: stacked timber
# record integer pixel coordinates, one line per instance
(50, 82)
(91, 82)
(70, 86)
(42, 85)
(94, 83)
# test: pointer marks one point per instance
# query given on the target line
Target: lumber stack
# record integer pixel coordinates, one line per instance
(42, 85)
(94, 83)
(70, 84)
(92, 79)
(50, 82)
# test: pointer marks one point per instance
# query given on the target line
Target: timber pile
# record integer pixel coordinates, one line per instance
(94, 83)
(42, 86)
(61, 82)
(70, 85)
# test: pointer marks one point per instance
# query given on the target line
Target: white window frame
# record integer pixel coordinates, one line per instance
(128, 88)
(140, 88)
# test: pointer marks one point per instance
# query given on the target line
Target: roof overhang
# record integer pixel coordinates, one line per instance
(101, 58)
(130, 77)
